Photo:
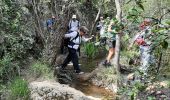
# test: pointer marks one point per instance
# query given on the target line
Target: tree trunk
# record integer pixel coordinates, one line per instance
(37, 22)
(97, 16)
(52, 48)
(117, 49)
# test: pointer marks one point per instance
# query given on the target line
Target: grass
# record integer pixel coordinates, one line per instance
(40, 69)
(107, 74)
(19, 89)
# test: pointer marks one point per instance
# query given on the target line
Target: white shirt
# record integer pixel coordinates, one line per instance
(74, 25)
(77, 41)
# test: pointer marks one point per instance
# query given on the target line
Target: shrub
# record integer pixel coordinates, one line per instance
(8, 69)
(41, 69)
(90, 50)
(19, 89)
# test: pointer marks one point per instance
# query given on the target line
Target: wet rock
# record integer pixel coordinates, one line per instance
(104, 77)
(51, 90)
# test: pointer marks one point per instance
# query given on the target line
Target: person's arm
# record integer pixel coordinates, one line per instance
(84, 39)
(71, 35)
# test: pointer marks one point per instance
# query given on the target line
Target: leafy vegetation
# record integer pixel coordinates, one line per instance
(41, 69)
(8, 70)
(90, 50)
(19, 89)
(23, 35)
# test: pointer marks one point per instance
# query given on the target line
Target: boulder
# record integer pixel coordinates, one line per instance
(46, 90)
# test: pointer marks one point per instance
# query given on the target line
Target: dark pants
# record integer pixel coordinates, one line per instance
(72, 56)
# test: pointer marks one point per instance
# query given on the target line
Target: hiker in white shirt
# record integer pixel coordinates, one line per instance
(75, 40)
(74, 24)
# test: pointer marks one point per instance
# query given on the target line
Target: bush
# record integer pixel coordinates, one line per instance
(19, 89)
(8, 69)
(41, 69)
(90, 50)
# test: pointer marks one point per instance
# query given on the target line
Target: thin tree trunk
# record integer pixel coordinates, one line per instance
(97, 16)
(37, 20)
(117, 49)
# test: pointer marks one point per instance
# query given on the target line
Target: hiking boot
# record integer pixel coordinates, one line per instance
(60, 68)
(79, 72)
(108, 64)
(104, 63)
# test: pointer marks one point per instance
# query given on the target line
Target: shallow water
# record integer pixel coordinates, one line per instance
(92, 90)
(88, 65)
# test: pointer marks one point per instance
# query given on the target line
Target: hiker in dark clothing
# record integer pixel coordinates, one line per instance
(50, 22)
(75, 39)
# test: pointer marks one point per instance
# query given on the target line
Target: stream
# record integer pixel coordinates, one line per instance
(88, 65)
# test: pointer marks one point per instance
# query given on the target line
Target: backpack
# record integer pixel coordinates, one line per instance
(66, 42)
(98, 26)
(70, 42)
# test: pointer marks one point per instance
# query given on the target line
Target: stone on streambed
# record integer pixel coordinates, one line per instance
(46, 90)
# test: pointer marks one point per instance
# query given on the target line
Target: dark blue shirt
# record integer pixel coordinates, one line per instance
(50, 22)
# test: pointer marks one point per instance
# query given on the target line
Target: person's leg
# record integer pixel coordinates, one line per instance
(111, 51)
(110, 55)
(74, 59)
(67, 60)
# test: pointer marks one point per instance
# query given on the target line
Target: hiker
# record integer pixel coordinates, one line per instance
(74, 24)
(111, 42)
(100, 25)
(143, 40)
(75, 39)
(50, 22)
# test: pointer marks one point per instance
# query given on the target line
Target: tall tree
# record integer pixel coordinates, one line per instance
(117, 49)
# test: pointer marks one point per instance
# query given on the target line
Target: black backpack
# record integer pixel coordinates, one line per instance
(66, 41)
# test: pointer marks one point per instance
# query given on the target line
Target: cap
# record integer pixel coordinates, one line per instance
(74, 16)
(101, 17)
(84, 29)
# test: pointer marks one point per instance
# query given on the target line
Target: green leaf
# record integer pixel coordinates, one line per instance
(164, 44)
(141, 6)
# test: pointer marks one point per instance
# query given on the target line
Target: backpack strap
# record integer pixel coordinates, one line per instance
(70, 24)
(75, 37)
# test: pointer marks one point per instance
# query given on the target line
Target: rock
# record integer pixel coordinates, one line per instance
(150, 88)
(47, 90)
(131, 76)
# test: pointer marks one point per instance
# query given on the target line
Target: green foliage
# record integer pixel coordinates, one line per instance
(132, 91)
(19, 89)
(41, 69)
(17, 41)
(90, 50)
(134, 14)
(8, 69)
(151, 98)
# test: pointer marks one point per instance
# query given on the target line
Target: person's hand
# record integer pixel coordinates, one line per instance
(91, 37)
